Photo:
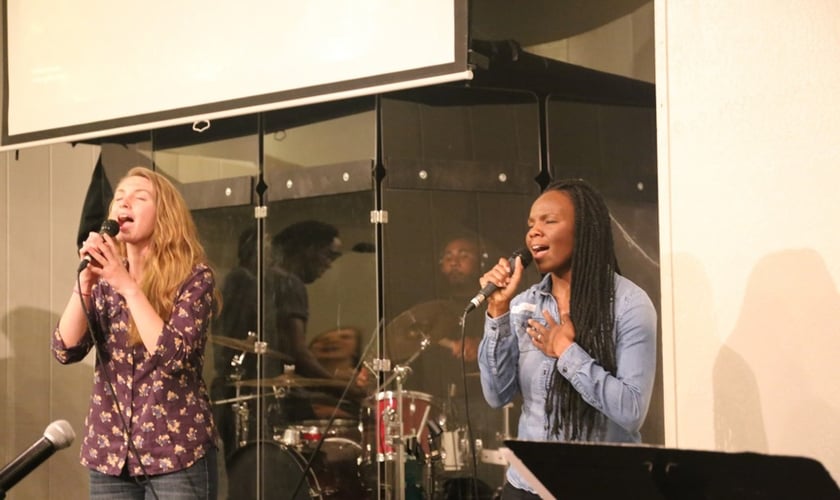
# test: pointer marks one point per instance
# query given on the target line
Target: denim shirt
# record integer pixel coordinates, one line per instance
(509, 363)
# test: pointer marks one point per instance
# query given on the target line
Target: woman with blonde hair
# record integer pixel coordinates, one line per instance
(144, 302)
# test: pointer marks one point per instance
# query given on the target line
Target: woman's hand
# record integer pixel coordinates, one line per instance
(90, 251)
(553, 338)
(506, 281)
(107, 264)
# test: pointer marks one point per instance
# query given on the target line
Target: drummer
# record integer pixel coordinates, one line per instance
(301, 253)
(439, 366)
(439, 369)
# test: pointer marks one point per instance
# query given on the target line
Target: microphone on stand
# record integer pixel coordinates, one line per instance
(109, 227)
(526, 258)
(57, 436)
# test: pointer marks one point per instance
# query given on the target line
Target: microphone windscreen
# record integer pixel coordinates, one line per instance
(110, 227)
(60, 434)
(524, 255)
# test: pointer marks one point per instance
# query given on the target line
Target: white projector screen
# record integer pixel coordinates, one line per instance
(88, 68)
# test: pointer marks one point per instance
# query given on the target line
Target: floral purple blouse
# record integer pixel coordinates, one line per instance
(162, 394)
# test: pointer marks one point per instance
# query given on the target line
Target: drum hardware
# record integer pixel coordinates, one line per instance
(239, 406)
(250, 345)
(306, 434)
(237, 360)
(290, 381)
(246, 397)
(242, 413)
(433, 321)
(393, 432)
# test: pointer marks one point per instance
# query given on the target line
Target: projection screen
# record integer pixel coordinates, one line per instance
(87, 68)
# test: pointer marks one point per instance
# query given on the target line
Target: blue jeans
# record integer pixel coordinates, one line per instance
(199, 481)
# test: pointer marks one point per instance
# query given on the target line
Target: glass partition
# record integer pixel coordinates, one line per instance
(348, 239)
(614, 148)
(290, 238)
(460, 167)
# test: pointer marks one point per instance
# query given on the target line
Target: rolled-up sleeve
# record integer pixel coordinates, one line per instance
(66, 355)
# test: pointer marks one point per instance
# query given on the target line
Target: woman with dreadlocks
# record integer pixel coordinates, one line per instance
(580, 345)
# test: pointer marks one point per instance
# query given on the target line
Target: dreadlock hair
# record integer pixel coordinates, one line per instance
(591, 305)
(174, 250)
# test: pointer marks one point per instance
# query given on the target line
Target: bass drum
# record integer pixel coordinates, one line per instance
(333, 474)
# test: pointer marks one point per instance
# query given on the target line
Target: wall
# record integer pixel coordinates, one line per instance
(748, 167)
(43, 189)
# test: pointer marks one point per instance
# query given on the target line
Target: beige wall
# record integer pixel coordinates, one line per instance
(42, 193)
(749, 164)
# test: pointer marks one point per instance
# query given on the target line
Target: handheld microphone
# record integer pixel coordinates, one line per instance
(109, 227)
(526, 258)
(57, 436)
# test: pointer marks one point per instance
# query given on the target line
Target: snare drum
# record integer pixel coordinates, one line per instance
(381, 426)
(307, 433)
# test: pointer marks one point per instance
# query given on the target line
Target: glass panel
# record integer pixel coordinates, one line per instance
(273, 393)
(216, 171)
(307, 294)
(321, 317)
(614, 148)
(460, 165)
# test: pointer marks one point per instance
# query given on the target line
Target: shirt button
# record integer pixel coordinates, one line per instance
(565, 370)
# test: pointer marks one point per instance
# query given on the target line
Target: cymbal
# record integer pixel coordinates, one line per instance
(290, 381)
(435, 320)
(247, 346)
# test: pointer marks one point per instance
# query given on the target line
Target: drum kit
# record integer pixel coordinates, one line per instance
(398, 448)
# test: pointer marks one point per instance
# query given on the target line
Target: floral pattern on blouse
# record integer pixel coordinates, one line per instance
(162, 394)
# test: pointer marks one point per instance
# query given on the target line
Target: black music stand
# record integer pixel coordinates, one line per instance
(570, 471)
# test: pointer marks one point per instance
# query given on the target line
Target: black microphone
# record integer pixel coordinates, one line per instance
(57, 436)
(489, 288)
(109, 227)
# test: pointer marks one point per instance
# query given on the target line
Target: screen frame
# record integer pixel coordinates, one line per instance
(457, 70)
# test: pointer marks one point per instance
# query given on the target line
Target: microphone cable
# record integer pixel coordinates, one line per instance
(110, 385)
(470, 440)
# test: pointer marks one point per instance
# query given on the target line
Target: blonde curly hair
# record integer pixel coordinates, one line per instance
(174, 250)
